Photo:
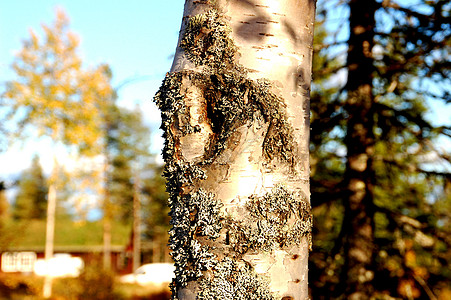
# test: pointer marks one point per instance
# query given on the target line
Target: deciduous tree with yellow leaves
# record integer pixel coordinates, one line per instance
(53, 93)
(54, 96)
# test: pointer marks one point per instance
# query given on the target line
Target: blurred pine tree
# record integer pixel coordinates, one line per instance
(379, 174)
(31, 201)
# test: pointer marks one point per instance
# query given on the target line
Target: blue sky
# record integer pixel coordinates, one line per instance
(135, 37)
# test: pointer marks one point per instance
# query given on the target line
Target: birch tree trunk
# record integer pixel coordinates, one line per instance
(235, 115)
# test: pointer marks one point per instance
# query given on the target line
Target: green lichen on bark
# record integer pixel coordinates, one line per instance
(277, 219)
(207, 41)
(233, 282)
(234, 100)
(170, 102)
(193, 215)
(232, 97)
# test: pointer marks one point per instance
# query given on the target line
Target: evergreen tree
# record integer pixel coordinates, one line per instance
(379, 178)
(31, 200)
(128, 142)
(5, 233)
(126, 151)
(3, 201)
(4, 205)
(156, 212)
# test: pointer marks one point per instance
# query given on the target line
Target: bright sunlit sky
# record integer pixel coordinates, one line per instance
(135, 37)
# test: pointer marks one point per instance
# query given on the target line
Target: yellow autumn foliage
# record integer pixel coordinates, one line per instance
(408, 289)
(53, 94)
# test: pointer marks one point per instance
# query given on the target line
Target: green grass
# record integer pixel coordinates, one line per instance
(67, 233)
(133, 291)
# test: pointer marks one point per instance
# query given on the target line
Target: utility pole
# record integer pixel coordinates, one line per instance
(107, 216)
(136, 223)
(50, 232)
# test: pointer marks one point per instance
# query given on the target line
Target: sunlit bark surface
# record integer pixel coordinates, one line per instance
(235, 115)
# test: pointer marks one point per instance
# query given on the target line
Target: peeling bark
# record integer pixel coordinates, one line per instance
(235, 115)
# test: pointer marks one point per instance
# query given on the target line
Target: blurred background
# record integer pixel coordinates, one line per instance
(88, 143)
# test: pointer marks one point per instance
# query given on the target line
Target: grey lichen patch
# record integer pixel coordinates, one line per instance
(234, 282)
(232, 101)
(277, 219)
(170, 100)
(205, 212)
(192, 215)
(232, 98)
(279, 139)
(207, 41)
(181, 176)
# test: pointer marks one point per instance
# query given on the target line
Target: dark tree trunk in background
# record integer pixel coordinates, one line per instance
(359, 141)
(380, 162)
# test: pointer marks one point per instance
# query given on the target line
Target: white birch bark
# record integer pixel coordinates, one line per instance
(235, 111)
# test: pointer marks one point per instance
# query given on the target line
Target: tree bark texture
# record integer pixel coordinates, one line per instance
(235, 115)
